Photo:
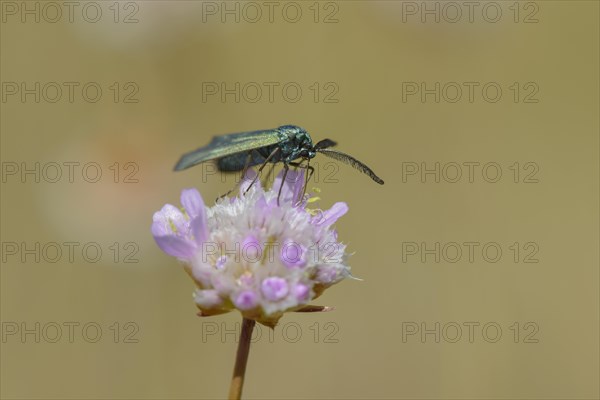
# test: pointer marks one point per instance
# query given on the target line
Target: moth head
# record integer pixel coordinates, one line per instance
(299, 142)
(311, 151)
(305, 144)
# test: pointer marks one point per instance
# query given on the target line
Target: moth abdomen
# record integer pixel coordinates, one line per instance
(237, 162)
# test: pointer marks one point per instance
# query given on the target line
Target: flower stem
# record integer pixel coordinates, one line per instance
(241, 359)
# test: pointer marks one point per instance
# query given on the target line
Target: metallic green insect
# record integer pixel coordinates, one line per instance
(286, 144)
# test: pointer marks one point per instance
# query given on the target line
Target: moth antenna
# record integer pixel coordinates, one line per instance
(353, 162)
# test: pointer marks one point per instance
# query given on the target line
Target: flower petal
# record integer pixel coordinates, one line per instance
(301, 292)
(329, 217)
(160, 225)
(290, 190)
(192, 202)
(246, 300)
(176, 246)
(199, 229)
(293, 254)
(168, 217)
(207, 299)
(220, 263)
(201, 272)
(274, 288)
(196, 210)
(251, 249)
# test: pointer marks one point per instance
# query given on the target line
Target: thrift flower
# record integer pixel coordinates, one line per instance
(253, 253)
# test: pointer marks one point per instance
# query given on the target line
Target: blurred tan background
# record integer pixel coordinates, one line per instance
(360, 66)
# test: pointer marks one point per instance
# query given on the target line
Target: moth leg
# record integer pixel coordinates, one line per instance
(310, 169)
(286, 168)
(246, 166)
(309, 174)
(261, 168)
(267, 179)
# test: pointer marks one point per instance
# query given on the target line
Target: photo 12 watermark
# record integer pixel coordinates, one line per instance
(469, 92)
(470, 332)
(270, 92)
(30, 92)
(290, 253)
(69, 252)
(288, 332)
(470, 12)
(53, 12)
(29, 332)
(469, 172)
(253, 12)
(27, 172)
(470, 252)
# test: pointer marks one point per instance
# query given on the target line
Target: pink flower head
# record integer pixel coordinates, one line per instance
(253, 253)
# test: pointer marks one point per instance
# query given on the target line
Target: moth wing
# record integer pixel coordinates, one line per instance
(227, 145)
